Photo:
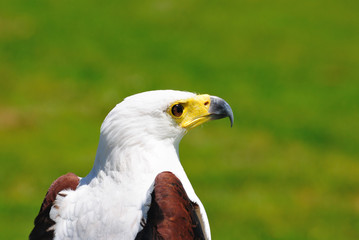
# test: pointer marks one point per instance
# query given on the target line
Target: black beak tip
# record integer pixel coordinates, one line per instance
(231, 119)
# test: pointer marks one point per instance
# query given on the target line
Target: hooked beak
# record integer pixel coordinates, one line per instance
(203, 108)
(220, 109)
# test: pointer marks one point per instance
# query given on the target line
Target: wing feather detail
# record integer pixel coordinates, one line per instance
(172, 215)
(44, 225)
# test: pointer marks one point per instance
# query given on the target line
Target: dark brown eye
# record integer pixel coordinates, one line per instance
(177, 110)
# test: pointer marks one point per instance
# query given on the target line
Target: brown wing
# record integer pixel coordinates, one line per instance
(43, 223)
(172, 215)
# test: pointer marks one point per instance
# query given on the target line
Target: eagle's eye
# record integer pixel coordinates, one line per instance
(177, 110)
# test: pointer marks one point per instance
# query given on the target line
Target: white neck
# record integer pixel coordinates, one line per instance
(129, 162)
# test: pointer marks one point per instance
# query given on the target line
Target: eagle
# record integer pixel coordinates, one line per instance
(137, 188)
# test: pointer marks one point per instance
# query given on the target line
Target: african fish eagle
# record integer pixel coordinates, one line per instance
(137, 188)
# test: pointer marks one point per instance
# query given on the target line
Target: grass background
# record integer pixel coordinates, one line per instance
(288, 169)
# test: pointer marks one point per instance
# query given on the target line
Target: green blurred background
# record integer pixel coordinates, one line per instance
(288, 169)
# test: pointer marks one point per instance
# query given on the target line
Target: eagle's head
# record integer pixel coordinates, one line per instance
(144, 130)
(162, 115)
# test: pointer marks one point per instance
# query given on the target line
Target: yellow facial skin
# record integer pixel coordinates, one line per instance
(195, 111)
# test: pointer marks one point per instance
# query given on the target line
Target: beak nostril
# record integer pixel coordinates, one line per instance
(206, 103)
